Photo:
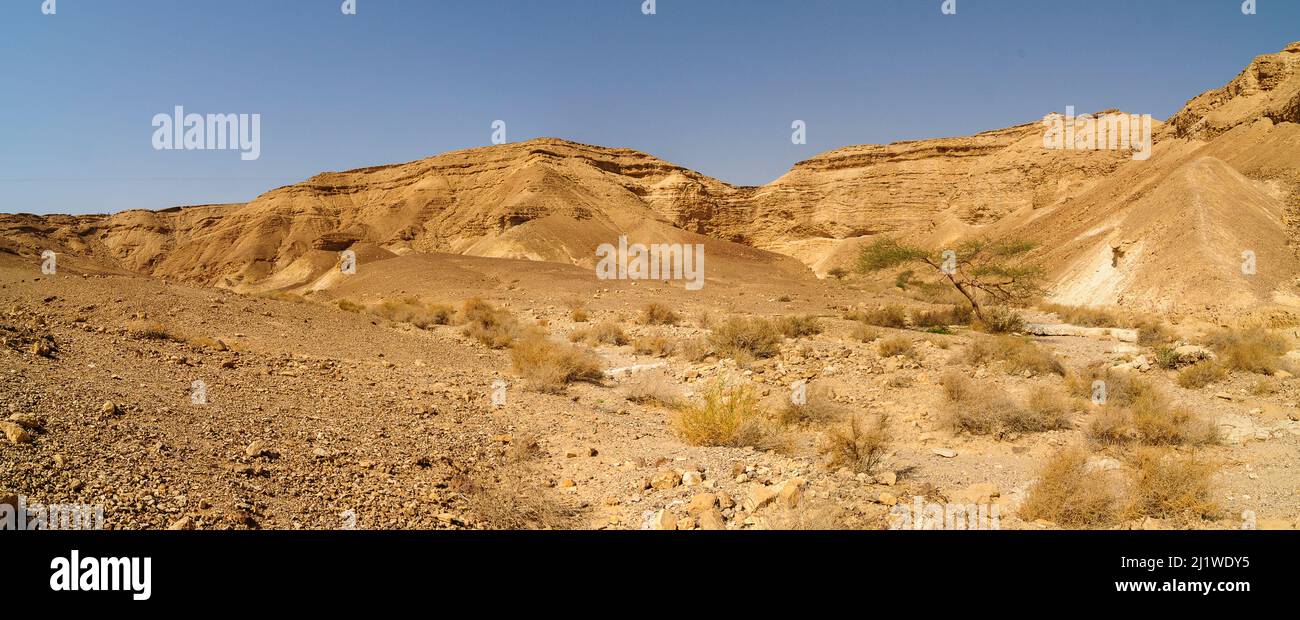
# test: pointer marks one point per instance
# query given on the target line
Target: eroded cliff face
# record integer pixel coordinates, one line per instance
(1229, 159)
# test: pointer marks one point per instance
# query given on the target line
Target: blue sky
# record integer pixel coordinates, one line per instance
(709, 84)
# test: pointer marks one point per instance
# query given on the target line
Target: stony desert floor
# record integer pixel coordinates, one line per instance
(321, 418)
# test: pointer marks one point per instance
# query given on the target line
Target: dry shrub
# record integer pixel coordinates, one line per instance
(1069, 494)
(603, 333)
(999, 320)
(1085, 316)
(207, 342)
(866, 333)
(1123, 388)
(819, 406)
(747, 337)
(1153, 332)
(653, 387)
(798, 326)
(1265, 387)
(859, 445)
(347, 305)
(578, 315)
(886, 316)
(1017, 355)
(658, 314)
(952, 315)
(1048, 409)
(411, 310)
(549, 366)
(727, 416)
(1250, 350)
(704, 319)
(150, 330)
(493, 327)
(900, 381)
(657, 345)
(1151, 419)
(508, 499)
(695, 349)
(1201, 374)
(895, 346)
(987, 410)
(1172, 486)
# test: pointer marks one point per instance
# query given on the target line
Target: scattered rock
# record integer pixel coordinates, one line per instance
(712, 520)
(759, 496)
(663, 520)
(692, 478)
(980, 493)
(702, 503)
(665, 480)
(15, 432)
(109, 408)
(255, 449)
(887, 478)
(790, 492)
(1189, 354)
(946, 453)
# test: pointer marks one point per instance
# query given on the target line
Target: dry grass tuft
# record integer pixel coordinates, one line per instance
(999, 320)
(508, 499)
(603, 333)
(866, 333)
(727, 416)
(819, 406)
(1201, 374)
(1085, 316)
(747, 337)
(896, 346)
(1172, 486)
(657, 345)
(1121, 388)
(1150, 419)
(494, 327)
(799, 326)
(859, 445)
(893, 316)
(208, 342)
(658, 314)
(1069, 494)
(653, 387)
(1152, 332)
(411, 310)
(549, 366)
(1017, 355)
(347, 305)
(1251, 350)
(987, 410)
(150, 330)
(952, 315)
(695, 349)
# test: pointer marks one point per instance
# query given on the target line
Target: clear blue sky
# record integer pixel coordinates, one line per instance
(709, 84)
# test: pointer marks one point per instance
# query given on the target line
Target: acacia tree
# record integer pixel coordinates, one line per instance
(996, 270)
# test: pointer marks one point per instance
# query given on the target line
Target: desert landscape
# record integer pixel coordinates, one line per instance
(1053, 339)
